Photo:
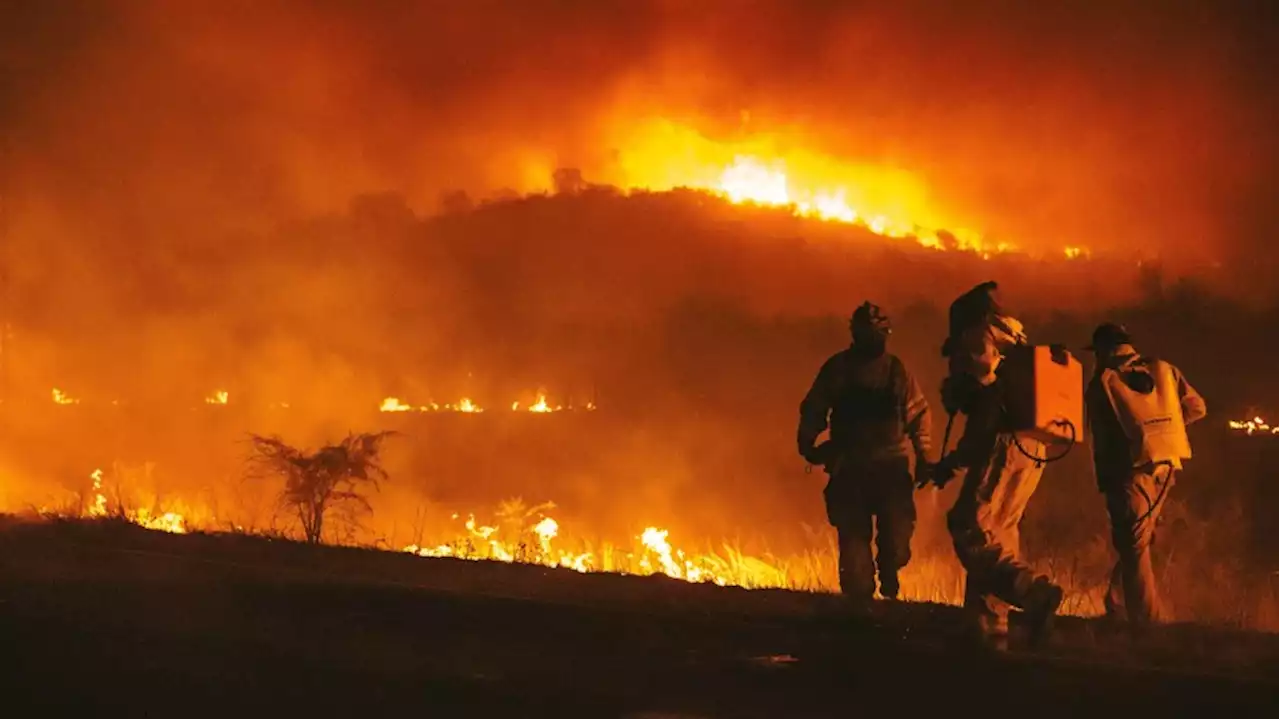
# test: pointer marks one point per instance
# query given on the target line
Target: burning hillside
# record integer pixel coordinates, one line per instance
(659, 154)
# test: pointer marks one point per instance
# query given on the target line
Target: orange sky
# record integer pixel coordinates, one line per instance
(1152, 125)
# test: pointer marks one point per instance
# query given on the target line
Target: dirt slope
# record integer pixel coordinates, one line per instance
(141, 623)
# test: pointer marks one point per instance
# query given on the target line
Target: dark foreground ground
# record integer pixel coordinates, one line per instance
(122, 621)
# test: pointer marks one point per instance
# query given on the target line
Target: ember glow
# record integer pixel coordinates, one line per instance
(1257, 425)
(219, 397)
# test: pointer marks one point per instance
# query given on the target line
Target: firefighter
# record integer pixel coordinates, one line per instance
(879, 421)
(1138, 409)
(1000, 471)
(979, 332)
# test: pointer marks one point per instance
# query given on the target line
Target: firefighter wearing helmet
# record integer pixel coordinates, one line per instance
(1138, 409)
(999, 471)
(879, 422)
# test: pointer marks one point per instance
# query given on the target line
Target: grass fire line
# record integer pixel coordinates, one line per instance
(530, 535)
(316, 483)
(466, 405)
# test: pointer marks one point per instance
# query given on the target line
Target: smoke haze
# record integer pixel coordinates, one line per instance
(297, 202)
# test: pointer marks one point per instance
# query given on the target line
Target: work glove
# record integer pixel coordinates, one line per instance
(941, 473)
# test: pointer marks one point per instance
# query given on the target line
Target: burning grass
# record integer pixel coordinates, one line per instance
(1193, 545)
(1257, 425)
(518, 533)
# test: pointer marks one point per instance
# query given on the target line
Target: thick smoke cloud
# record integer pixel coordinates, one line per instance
(1148, 123)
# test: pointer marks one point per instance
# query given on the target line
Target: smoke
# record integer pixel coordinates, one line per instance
(1145, 124)
(245, 196)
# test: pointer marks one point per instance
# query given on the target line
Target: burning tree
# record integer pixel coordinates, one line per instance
(319, 481)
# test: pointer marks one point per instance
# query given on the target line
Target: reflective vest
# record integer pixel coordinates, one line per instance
(869, 404)
(1144, 395)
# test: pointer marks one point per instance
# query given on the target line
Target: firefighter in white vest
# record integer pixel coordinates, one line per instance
(1138, 411)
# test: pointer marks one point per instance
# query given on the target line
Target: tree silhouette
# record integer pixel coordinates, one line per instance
(316, 482)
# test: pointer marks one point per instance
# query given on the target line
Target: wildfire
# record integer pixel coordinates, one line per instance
(673, 562)
(172, 522)
(1257, 425)
(531, 536)
(531, 542)
(99, 506)
(539, 406)
(61, 397)
(393, 404)
(465, 405)
(766, 169)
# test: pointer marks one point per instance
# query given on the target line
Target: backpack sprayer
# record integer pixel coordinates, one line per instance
(1043, 399)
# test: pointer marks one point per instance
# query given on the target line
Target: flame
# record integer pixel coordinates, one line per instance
(673, 562)
(1252, 426)
(60, 397)
(172, 522)
(99, 506)
(465, 405)
(388, 404)
(531, 536)
(771, 169)
(393, 404)
(539, 406)
(654, 554)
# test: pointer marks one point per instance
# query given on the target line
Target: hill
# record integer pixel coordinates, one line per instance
(112, 617)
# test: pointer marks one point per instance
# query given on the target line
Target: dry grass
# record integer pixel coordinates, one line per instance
(1200, 580)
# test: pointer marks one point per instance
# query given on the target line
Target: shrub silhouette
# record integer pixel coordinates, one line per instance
(316, 482)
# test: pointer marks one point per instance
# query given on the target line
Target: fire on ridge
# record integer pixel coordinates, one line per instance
(770, 170)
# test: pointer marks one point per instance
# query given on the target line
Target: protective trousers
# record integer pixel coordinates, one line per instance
(984, 527)
(1135, 505)
(858, 493)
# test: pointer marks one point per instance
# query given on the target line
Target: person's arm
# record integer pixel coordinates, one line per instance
(1096, 407)
(814, 409)
(919, 419)
(981, 426)
(1193, 407)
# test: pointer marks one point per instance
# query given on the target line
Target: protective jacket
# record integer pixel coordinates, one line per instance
(1139, 409)
(872, 404)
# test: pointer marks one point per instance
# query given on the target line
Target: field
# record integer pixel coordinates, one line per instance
(108, 616)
